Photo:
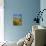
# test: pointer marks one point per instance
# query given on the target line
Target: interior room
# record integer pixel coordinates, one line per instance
(22, 22)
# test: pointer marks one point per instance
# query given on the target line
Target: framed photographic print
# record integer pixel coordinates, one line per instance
(17, 19)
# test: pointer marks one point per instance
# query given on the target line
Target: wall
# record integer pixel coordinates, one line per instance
(43, 6)
(1, 21)
(27, 8)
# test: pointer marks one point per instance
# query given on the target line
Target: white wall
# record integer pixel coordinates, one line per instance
(1, 21)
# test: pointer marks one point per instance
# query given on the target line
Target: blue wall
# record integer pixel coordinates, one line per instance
(43, 6)
(27, 8)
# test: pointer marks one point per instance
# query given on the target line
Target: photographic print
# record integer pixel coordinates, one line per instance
(17, 19)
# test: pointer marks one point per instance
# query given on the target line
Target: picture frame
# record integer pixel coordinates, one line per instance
(17, 19)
